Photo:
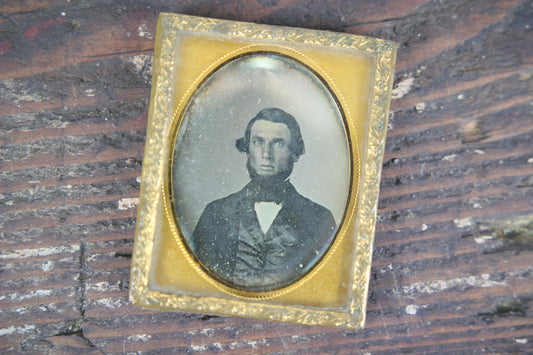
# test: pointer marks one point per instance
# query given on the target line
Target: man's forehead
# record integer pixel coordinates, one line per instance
(265, 128)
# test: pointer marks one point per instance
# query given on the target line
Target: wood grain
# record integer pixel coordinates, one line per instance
(451, 270)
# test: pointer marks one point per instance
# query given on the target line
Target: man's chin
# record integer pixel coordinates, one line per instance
(267, 179)
(266, 173)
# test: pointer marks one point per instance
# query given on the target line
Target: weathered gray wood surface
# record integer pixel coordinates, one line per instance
(452, 268)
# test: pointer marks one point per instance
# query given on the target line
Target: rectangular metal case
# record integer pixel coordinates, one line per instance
(209, 78)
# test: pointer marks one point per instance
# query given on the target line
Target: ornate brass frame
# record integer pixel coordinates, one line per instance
(360, 71)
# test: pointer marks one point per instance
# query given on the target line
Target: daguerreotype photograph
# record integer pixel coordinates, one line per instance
(260, 174)
(261, 171)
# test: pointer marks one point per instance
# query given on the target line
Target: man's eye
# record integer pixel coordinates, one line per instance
(257, 142)
(280, 144)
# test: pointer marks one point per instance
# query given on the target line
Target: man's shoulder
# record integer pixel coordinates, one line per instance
(218, 213)
(228, 201)
(307, 206)
(315, 220)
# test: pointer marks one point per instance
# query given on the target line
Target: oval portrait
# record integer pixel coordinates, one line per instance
(260, 171)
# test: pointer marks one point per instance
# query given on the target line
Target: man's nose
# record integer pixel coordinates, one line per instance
(267, 151)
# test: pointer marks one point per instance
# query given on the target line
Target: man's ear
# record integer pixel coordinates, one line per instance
(241, 145)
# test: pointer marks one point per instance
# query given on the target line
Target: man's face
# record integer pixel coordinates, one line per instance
(269, 152)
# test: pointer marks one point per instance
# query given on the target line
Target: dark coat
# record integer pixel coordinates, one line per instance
(229, 243)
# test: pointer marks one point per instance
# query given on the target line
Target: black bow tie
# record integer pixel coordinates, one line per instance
(259, 191)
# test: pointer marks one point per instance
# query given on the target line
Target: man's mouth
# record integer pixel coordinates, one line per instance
(266, 168)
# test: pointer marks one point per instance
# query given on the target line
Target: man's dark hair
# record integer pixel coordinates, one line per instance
(276, 115)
